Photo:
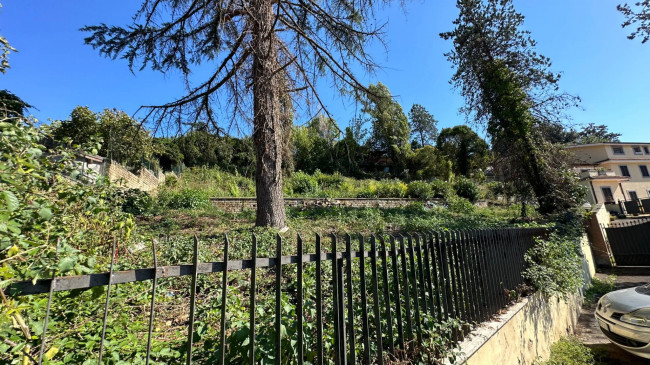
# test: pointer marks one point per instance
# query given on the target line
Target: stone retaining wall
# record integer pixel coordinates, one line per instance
(236, 205)
(145, 180)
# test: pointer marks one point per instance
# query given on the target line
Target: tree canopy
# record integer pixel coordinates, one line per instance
(639, 15)
(11, 106)
(592, 133)
(263, 54)
(508, 86)
(423, 125)
(468, 152)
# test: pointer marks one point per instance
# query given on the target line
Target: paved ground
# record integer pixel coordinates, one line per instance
(588, 330)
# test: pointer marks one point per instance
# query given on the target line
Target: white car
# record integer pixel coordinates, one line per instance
(624, 317)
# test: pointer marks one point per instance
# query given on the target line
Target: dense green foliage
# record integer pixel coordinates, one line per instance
(423, 125)
(466, 188)
(468, 151)
(52, 222)
(571, 351)
(555, 262)
(597, 288)
(124, 139)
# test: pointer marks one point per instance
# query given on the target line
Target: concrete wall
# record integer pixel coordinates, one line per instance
(236, 205)
(146, 180)
(525, 333)
(599, 248)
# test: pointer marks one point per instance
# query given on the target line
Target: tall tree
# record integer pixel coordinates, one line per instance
(639, 14)
(12, 106)
(509, 87)
(390, 128)
(264, 53)
(423, 124)
(592, 133)
(464, 148)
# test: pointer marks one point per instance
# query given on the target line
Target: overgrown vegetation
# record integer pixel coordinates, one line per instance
(598, 288)
(570, 351)
(555, 262)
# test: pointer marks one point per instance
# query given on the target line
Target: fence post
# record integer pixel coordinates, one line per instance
(299, 308)
(278, 301)
(108, 296)
(251, 338)
(348, 249)
(375, 299)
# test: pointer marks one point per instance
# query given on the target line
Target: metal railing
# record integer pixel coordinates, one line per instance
(402, 279)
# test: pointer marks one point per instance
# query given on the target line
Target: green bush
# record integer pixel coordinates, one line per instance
(325, 181)
(171, 180)
(187, 199)
(598, 288)
(442, 189)
(495, 189)
(461, 206)
(303, 183)
(570, 351)
(391, 189)
(466, 188)
(136, 202)
(419, 190)
(555, 263)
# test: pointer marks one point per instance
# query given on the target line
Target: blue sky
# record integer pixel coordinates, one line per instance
(55, 71)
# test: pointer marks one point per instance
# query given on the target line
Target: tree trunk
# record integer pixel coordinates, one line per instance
(267, 134)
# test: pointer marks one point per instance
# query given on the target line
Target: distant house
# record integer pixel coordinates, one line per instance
(613, 172)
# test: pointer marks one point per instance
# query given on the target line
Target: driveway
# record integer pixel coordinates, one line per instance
(588, 330)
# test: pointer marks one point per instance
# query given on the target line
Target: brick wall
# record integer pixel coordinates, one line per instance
(236, 205)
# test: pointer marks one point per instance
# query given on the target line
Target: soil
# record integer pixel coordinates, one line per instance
(588, 330)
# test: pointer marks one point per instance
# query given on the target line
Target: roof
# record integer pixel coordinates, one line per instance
(608, 144)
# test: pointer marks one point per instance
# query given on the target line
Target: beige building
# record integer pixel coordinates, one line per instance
(613, 172)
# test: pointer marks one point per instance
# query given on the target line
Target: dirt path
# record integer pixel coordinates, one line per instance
(588, 330)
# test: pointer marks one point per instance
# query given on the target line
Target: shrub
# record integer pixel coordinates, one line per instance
(303, 183)
(571, 351)
(466, 188)
(555, 263)
(461, 206)
(136, 202)
(391, 189)
(325, 181)
(171, 180)
(598, 288)
(442, 190)
(419, 190)
(187, 199)
(495, 189)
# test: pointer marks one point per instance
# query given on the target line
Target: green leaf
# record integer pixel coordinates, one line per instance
(66, 264)
(45, 213)
(10, 200)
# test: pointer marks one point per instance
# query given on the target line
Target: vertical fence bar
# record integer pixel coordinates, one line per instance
(478, 276)
(446, 279)
(386, 289)
(319, 303)
(278, 301)
(416, 301)
(436, 277)
(49, 305)
(251, 335)
(458, 284)
(427, 274)
(375, 299)
(348, 249)
(364, 301)
(341, 308)
(421, 285)
(153, 299)
(224, 297)
(465, 266)
(335, 304)
(405, 289)
(190, 325)
(299, 304)
(108, 297)
(398, 300)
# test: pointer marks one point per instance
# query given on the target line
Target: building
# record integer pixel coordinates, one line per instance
(613, 172)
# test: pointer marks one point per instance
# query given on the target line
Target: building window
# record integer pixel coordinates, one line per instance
(644, 171)
(625, 171)
(632, 195)
(618, 150)
(607, 193)
(637, 150)
(648, 193)
(647, 150)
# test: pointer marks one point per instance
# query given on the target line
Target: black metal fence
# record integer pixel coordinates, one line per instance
(629, 241)
(383, 291)
(638, 206)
